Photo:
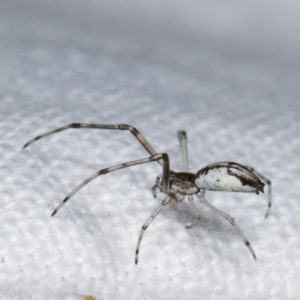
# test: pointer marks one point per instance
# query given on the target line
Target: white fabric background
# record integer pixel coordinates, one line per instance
(226, 72)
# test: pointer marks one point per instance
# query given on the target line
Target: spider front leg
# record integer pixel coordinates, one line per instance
(182, 136)
(229, 219)
(268, 182)
(165, 182)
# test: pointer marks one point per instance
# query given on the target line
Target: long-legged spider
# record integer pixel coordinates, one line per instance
(221, 176)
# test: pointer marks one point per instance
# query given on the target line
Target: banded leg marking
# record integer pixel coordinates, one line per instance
(164, 157)
(166, 201)
(268, 182)
(230, 220)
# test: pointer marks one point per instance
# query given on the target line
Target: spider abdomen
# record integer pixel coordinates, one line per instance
(228, 176)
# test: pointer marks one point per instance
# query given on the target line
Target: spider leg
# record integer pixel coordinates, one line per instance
(183, 145)
(230, 220)
(132, 129)
(182, 136)
(166, 172)
(268, 182)
(194, 208)
(166, 201)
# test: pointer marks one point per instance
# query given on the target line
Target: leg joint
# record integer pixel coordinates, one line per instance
(231, 220)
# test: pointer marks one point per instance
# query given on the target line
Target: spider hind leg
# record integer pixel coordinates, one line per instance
(269, 184)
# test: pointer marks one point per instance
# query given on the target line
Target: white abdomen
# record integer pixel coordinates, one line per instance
(227, 176)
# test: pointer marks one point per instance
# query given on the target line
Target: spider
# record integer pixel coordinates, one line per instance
(221, 176)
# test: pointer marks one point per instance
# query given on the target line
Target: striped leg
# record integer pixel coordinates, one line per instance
(230, 220)
(132, 129)
(183, 146)
(268, 182)
(182, 136)
(194, 208)
(166, 201)
(166, 173)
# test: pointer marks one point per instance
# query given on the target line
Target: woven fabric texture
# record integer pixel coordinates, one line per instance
(228, 74)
